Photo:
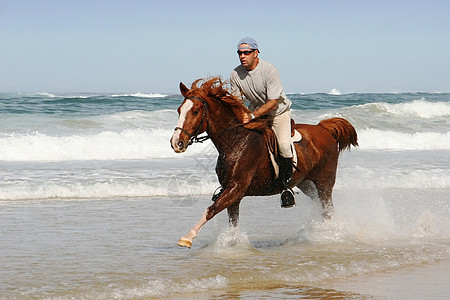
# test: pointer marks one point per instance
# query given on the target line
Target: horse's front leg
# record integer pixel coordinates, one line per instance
(186, 240)
(232, 194)
(233, 213)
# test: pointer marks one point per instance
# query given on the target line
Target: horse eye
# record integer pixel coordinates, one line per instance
(195, 113)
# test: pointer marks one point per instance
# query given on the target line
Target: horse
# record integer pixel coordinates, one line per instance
(244, 167)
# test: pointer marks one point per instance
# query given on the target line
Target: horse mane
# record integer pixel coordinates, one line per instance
(214, 88)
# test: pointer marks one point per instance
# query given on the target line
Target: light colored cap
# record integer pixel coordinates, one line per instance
(252, 44)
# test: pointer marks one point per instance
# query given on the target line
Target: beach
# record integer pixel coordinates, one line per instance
(428, 281)
(93, 201)
(126, 249)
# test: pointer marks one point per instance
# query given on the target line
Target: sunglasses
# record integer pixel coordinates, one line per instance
(246, 52)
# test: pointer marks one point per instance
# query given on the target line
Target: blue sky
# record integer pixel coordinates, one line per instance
(150, 46)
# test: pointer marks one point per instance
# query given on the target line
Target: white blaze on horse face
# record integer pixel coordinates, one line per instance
(184, 109)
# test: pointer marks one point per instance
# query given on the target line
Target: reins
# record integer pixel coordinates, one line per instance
(194, 138)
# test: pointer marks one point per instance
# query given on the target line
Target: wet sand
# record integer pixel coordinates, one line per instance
(424, 282)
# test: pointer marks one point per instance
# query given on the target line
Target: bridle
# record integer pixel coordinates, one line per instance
(193, 137)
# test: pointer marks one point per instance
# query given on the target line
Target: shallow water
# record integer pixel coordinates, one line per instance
(126, 248)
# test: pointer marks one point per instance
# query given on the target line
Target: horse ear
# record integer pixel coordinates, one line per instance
(184, 90)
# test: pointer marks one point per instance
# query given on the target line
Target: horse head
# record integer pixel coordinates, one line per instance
(192, 120)
(208, 107)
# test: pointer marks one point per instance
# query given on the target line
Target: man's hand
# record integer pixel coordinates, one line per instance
(246, 117)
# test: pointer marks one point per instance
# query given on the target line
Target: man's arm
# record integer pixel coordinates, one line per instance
(235, 90)
(261, 111)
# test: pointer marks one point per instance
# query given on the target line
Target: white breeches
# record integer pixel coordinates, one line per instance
(282, 128)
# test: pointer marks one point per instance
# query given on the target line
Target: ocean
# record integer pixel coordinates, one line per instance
(93, 201)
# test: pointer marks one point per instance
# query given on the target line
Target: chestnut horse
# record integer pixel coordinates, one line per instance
(244, 167)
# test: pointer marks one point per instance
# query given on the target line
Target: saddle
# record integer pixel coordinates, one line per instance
(272, 144)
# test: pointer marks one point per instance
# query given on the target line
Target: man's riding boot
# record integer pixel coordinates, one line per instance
(287, 196)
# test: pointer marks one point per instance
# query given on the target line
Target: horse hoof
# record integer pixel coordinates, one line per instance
(184, 243)
(327, 217)
(287, 199)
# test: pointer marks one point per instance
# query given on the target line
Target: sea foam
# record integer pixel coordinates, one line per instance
(376, 139)
(140, 95)
(417, 108)
(154, 143)
(106, 145)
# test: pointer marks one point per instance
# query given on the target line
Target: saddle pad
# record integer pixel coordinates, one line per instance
(297, 137)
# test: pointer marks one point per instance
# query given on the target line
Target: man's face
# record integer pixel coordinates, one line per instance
(248, 57)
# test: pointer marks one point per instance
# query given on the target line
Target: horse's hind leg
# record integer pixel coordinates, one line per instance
(309, 189)
(317, 189)
(325, 191)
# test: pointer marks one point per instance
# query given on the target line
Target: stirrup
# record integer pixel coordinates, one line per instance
(217, 194)
(287, 199)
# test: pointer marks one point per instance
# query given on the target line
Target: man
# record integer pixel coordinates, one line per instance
(258, 82)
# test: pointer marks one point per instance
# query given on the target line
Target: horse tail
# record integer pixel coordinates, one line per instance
(344, 132)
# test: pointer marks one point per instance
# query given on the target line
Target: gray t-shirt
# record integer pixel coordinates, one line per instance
(259, 85)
